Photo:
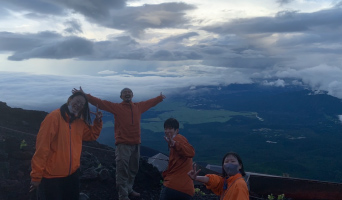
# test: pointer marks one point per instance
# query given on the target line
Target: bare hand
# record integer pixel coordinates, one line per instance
(193, 173)
(161, 94)
(170, 141)
(98, 114)
(76, 90)
(34, 185)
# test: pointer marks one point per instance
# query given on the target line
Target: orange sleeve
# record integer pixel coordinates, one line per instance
(102, 104)
(145, 105)
(215, 184)
(48, 130)
(183, 148)
(91, 133)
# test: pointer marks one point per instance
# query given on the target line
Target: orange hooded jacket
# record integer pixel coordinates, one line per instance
(236, 187)
(127, 117)
(180, 163)
(59, 146)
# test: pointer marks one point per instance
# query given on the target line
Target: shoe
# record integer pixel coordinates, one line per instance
(134, 194)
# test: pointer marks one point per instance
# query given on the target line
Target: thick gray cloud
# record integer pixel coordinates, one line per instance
(288, 39)
(136, 19)
(243, 62)
(73, 26)
(175, 55)
(123, 47)
(44, 45)
(109, 13)
(18, 42)
(284, 22)
(282, 2)
(69, 48)
(178, 38)
(98, 10)
(52, 45)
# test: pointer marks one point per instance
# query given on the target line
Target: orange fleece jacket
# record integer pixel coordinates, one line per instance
(180, 163)
(126, 117)
(236, 187)
(59, 146)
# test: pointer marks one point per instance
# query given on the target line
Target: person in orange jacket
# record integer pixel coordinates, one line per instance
(55, 164)
(177, 185)
(231, 185)
(127, 115)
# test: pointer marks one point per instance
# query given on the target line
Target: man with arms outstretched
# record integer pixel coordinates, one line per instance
(127, 130)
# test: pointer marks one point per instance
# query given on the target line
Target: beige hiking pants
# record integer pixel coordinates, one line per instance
(127, 167)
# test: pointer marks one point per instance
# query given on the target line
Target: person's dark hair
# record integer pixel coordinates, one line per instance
(125, 89)
(84, 114)
(242, 170)
(171, 123)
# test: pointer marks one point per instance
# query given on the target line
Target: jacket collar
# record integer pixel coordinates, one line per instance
(125, 103)
(233, 178)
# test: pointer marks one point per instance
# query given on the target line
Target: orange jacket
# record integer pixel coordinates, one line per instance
(59, 146)
(180, 163)
(236, 187)
(126, 117)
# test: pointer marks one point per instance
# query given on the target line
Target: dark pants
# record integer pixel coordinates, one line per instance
(66, 188)
(171, 194)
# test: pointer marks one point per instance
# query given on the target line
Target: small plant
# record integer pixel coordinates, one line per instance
(270, 197)
(23, 144)
(199, 192)
(281, 197)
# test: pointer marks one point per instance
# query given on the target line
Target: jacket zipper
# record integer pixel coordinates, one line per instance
(70, 148)
(131, 113)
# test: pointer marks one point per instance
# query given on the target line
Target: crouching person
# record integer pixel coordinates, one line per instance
(56, 162)
(231, 185)
(177, 184)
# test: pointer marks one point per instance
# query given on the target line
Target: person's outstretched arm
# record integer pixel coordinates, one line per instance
(145, 105)
(193, 174)
(102, 104)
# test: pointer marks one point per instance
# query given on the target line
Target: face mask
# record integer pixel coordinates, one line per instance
(231, 169)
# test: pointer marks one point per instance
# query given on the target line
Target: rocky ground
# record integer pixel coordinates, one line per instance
(97, 177)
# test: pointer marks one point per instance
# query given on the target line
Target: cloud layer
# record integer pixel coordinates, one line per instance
(168, 43)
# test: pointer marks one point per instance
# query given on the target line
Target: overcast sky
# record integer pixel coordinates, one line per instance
(48, 47)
